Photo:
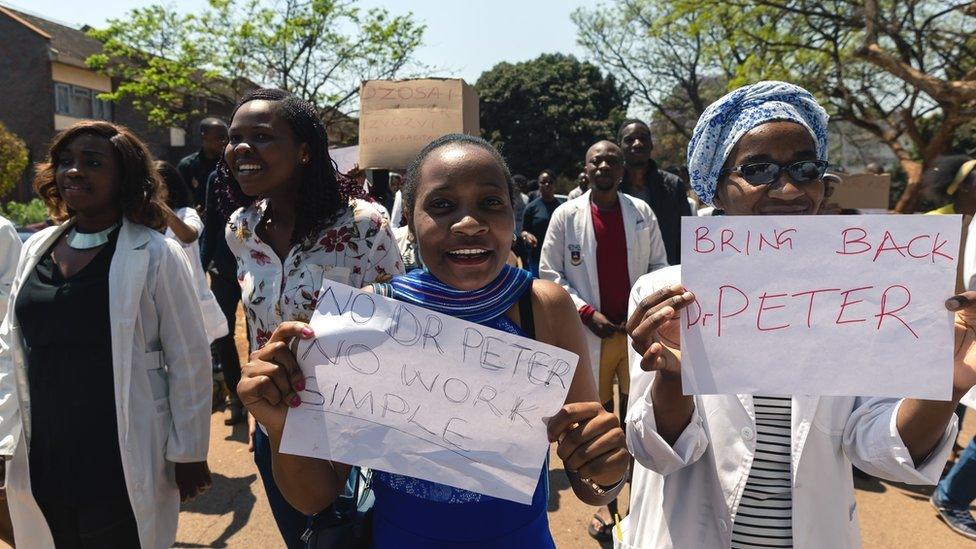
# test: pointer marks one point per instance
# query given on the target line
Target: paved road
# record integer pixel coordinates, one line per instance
(235, 513)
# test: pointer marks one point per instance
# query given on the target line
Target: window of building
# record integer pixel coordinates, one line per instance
(80, 102)
(62, 98)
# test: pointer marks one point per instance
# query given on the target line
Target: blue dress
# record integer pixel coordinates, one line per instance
(412, 513)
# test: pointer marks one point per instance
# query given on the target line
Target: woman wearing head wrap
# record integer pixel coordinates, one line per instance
(762, 470)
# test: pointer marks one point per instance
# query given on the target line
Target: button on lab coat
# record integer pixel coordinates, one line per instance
(161, 364)
(686, 495)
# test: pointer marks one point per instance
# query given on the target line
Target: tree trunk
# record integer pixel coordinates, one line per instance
(913, 170)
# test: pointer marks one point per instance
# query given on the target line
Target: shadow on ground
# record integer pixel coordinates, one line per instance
(226, 493)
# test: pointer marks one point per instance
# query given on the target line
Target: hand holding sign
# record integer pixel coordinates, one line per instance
(964, 377)
(654, 329)
(271, 379)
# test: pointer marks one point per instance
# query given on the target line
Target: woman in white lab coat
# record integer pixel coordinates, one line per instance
(763, 470)
(183, 223)
(104, 364)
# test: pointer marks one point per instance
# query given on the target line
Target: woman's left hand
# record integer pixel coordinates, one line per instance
(964, 374)
(590, 442)
(193, 479)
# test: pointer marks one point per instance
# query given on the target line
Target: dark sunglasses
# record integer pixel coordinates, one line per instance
(764, 173)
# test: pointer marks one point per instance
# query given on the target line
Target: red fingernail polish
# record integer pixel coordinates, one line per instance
(295, 401)
(300, 385)
(307, 332)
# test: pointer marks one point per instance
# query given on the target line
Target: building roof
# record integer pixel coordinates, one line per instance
(68, 45)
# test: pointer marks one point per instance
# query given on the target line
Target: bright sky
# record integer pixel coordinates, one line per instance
(463, 38)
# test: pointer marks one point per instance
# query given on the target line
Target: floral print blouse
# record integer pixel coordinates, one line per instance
(357, 250)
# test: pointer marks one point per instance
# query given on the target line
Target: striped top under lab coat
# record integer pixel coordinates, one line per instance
(764, 516)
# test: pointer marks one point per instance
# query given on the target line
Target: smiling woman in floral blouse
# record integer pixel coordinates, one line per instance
(293, 224)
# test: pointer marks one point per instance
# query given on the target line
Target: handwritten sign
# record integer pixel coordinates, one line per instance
(405, 390)
(819, 305)
(398, 118)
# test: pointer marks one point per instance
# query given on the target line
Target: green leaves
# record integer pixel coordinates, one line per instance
(546, 112)
(13, 159)
(172, 64)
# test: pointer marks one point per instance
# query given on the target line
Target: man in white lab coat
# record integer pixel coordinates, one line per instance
(596, 247)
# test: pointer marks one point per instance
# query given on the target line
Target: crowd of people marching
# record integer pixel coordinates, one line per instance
(115, 313)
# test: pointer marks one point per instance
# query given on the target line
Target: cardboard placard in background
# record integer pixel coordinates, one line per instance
(863, 191)
(398, 118)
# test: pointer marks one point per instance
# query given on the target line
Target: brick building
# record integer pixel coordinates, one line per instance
(48, 87)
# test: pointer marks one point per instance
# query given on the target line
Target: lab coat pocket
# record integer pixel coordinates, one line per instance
(643, 238)
(158, 382)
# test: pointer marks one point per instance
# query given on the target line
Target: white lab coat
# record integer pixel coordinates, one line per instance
(9, 255)
(397, 214)
(686, 496)
(214, 321)
(568, 255)
(161, 361)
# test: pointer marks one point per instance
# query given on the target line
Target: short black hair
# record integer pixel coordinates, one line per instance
(628, 122)
(412, 179)
(937, 179)
(550, 173)
(211, 123)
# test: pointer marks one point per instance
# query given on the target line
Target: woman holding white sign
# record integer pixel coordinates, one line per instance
(764, 470)
(458, 202)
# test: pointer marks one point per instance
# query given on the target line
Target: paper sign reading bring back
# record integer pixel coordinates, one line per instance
(819, 305)
(401, 389)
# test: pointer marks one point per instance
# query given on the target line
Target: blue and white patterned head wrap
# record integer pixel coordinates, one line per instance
(725, 121)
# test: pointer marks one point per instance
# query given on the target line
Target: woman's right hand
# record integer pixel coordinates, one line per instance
(655, 331)
(271, 379)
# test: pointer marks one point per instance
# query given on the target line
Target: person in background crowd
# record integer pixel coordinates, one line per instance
(663, 192)
(532, 189)
(597, 245)
(183, 223)
(9, 255)
(521, 200)
(407, 245)
(535, 219)
(582, 185)
(763, 470)
(396, 181)
(396, 210)
(874, 168)
(218, 261)
(104, 369)
(292, 223)
(458, 194)
(195, 169)
(955, 177)
(952, 180)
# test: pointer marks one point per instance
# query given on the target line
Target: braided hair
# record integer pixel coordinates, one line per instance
(412, 180)
(324, 194)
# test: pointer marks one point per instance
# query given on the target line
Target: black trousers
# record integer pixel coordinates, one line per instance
(228, 294)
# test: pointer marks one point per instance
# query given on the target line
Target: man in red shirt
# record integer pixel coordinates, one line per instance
(596, 246)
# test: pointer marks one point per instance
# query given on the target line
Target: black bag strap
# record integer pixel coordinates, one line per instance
(526, 316)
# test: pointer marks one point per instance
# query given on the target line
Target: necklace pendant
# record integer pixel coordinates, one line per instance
(87, 241)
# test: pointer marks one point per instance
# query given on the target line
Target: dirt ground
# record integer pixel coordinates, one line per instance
(235, 513)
